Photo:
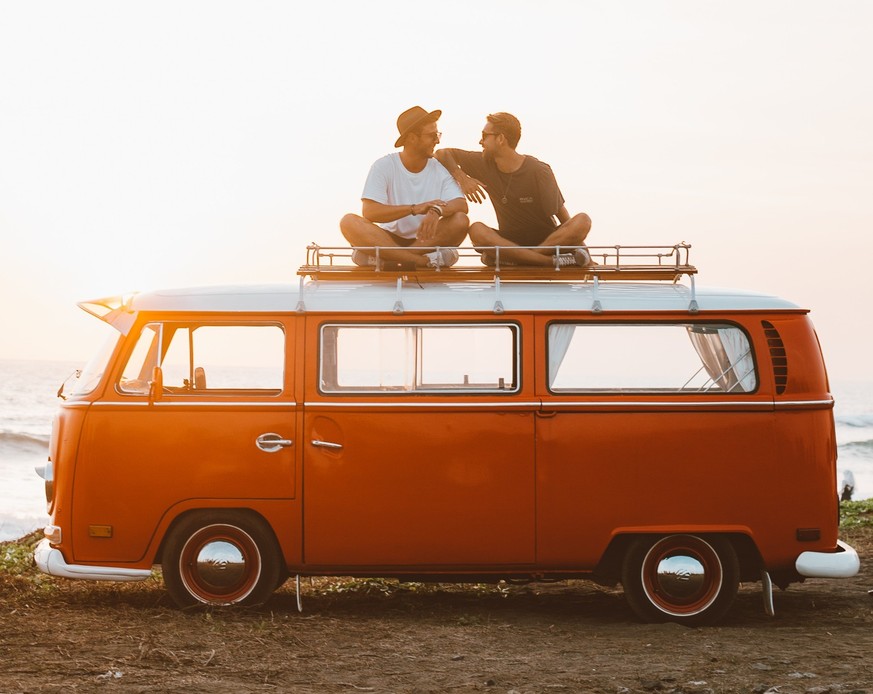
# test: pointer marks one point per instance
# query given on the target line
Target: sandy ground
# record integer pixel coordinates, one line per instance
(66, 636)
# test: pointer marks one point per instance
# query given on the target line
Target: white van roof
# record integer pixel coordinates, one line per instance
(457, 297)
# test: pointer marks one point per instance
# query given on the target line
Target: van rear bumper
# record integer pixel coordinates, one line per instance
(842, 563)
(50, 561)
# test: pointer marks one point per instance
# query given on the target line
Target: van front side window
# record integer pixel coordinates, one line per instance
(653, 357)
(419, 358)
(199, 359)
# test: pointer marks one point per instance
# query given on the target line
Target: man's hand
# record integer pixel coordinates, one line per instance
(472, 188)
(428, 227)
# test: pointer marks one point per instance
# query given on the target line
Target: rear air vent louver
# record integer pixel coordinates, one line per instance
(777, 356)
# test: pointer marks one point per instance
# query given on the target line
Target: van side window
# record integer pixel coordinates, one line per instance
(652, 357)
(419, 358)
(197, 358)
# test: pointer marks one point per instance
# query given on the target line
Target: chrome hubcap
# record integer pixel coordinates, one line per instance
(680, 577)
(220, 564)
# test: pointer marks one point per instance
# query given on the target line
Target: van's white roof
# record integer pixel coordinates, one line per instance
(387, 297)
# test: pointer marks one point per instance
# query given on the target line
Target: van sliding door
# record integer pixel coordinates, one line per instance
(418, 445)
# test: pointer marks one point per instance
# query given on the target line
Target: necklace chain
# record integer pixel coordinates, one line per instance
(506, 189)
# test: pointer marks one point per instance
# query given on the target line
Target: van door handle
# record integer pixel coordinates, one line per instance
(271, 443)
(327, 444)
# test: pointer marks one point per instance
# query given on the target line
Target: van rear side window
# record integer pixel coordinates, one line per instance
(651, 357)
(198, 358)
(419, 358)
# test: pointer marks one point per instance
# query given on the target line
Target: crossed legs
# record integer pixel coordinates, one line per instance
(361, 233)
(571, 233)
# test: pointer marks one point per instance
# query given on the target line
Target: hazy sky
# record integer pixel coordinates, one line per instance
(155, 144)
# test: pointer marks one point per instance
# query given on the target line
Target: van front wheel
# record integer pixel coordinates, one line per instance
(221, 558)
(680, 578)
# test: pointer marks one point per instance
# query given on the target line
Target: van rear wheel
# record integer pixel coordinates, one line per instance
(680, 578)
(221, 558)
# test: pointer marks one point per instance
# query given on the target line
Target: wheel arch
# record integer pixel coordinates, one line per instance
(239, 511)
(608, 570)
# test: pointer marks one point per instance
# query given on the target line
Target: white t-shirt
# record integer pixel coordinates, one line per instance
(391, 183)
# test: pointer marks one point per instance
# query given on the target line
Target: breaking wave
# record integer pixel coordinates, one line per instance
(858, 448)
(24, 442)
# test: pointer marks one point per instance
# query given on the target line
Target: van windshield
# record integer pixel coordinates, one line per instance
(88, 378)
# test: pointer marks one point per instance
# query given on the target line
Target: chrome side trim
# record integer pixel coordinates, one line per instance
(788, 404)
(769, 404)
(50, 561)
(199, 403)
(449, 405)
(548, 404)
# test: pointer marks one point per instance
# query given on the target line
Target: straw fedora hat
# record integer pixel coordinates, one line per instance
(411, 118)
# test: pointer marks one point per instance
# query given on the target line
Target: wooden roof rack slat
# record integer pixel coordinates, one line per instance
(629, 263)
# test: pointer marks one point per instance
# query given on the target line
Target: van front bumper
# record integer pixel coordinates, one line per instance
(50, 561)
(842, 563)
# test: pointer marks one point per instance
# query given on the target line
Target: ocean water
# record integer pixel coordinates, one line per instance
(27, 403)
(28, 400)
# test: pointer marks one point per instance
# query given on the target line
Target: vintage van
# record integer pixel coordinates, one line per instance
(614, 423)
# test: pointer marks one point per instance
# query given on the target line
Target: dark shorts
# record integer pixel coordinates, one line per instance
(400, 240)
(526, 237)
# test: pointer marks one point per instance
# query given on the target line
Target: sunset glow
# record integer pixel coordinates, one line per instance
(165, 144)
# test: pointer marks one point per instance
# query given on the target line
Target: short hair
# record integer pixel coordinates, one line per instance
(507, 125)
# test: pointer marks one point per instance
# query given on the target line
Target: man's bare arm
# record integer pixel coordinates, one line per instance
(456, 205)
(380, 212)
(470, 187)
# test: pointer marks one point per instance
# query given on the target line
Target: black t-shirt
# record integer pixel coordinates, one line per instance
(524, 201)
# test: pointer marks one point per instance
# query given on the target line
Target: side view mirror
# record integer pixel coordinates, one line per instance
(156, 385)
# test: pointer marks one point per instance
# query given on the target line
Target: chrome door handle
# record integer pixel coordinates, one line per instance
(271, 443)
(327, 444)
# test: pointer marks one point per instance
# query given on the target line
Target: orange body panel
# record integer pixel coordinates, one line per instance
(164, 455)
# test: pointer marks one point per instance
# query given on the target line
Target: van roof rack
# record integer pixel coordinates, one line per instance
(630, 263)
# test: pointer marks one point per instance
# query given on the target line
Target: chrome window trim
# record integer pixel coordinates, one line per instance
(652, 322)
(451, 391)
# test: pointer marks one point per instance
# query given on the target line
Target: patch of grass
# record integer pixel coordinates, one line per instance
(16, 556)
(856, 514)
(18, 575)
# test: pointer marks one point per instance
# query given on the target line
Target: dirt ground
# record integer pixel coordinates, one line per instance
(67, 636)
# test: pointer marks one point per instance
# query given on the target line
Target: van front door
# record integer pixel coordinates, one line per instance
(221, 432)
(418, 446)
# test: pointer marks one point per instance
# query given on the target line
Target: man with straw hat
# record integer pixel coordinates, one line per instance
(410, 205)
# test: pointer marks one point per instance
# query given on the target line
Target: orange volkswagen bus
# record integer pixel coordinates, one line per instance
(615, 423)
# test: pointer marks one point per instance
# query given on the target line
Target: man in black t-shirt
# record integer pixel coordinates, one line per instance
(527, 201)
